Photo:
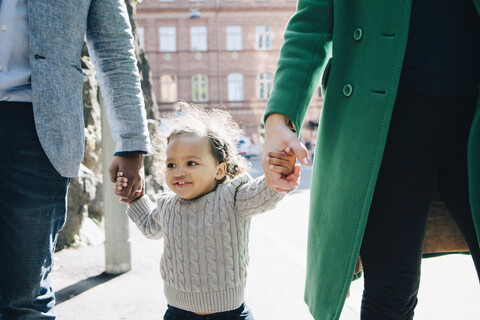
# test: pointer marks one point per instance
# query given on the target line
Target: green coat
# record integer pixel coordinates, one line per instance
(369, 41)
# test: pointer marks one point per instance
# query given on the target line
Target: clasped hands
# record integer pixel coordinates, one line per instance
(127, 174)
(280, 152)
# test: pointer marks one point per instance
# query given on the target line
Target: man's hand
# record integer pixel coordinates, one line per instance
(132, 168)
(279, 137)
(122, 182)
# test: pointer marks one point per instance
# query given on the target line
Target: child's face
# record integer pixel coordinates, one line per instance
(192, 171)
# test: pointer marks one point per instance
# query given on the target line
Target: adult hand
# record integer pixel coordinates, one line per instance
(279, 136)
(132, 168)
(122, 182)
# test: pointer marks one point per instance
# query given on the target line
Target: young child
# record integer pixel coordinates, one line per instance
(205, 221)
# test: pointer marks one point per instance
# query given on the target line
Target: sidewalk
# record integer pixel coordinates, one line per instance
(274, 289)
(449, 287)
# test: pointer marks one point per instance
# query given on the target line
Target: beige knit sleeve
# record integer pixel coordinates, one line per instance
(253, 196)
(147, 217)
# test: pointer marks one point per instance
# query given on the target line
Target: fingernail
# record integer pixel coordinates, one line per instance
(287, 149)
(306, 161)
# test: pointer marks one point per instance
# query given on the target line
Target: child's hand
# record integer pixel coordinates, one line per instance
(122, 182)
(282, 162)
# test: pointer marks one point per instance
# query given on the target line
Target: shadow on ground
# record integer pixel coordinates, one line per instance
(80, 287)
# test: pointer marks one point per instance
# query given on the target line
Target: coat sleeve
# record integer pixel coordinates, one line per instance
(147, 217)
(303, 55)
(110, 45)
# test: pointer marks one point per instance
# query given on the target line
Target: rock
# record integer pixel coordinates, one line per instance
(81, 191)
(91, 233)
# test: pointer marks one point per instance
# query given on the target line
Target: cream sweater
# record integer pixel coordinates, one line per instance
(205, 258)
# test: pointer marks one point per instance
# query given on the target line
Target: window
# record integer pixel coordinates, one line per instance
(234, 38)
(263, 38)
(198, 38)
(168, 88)
(235, 87)
(264, 85)
(167, 39)
(199, 88)
(141, 36)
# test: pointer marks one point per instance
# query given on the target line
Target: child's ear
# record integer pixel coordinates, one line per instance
(221, 171)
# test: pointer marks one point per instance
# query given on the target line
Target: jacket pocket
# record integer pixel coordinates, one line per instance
(326, 75)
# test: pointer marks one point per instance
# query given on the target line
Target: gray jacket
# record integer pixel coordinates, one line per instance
(57, 33)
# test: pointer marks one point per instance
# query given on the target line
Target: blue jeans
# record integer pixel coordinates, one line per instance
(32, 211)
(241, 313)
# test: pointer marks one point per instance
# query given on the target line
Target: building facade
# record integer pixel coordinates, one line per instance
(218, 53)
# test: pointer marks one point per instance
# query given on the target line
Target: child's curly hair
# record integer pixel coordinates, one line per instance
(214, 125)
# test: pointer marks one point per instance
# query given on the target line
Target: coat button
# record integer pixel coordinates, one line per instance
(347, 90)
(358, 34)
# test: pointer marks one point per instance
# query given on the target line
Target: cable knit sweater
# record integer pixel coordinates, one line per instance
(205, 258)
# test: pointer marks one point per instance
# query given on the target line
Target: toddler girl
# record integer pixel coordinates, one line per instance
(205, 221)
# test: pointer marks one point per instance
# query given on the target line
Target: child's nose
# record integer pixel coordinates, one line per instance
(179, 172)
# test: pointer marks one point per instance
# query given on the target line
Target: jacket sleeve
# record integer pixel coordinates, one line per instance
(110, 45)
(251, 197)
(147, 217)
(303, 55)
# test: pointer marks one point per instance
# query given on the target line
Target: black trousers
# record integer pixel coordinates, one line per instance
(426, 149)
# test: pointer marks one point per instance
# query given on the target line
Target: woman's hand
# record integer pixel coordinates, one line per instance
(279, 137)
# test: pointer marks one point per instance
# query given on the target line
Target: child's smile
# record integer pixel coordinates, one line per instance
(181, 183)
(192, 171)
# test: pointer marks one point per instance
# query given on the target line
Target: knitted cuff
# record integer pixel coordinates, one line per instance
(140, 208)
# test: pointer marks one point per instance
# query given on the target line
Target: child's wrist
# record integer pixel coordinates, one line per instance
(134, 200)
(131, 202)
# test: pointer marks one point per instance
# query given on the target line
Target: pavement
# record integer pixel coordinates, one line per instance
(449, 289)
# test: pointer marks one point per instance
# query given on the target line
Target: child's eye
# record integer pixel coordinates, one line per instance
(191, 163)
(170, 165)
